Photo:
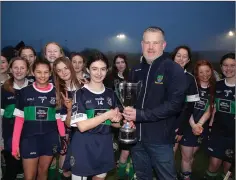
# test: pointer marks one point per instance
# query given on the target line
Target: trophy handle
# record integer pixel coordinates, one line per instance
(139, 87)
(117, 92)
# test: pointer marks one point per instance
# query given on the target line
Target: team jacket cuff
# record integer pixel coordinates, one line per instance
(139, 115)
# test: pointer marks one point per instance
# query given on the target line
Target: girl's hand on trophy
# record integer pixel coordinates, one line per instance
(119, 116)
(110, 114)
(115, 115)
(129, 113)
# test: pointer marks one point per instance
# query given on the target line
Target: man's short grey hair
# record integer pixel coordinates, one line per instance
(154, 29)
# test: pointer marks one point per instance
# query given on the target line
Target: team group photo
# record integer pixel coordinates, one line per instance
(88, 116)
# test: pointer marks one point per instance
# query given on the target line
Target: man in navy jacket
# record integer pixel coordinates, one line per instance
(160, 100)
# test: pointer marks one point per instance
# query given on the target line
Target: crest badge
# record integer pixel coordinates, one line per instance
(229, 153)
(72, 161)
(159, 79)
(109, 101)
(53, 100)
(54, 149)
(199, 140)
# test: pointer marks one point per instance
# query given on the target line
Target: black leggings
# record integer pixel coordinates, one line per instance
(13, 166)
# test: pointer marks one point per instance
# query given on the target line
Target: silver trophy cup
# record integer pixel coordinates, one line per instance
(127, 94)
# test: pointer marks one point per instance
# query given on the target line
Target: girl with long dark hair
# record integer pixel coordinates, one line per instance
(119, 72)
(182, 55)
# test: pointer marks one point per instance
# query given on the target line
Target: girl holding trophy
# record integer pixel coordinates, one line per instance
(91, 151)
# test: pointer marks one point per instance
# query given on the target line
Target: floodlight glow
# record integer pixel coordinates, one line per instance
(231, 33)
(121, 36)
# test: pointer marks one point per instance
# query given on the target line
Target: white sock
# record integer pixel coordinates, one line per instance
(74, 177)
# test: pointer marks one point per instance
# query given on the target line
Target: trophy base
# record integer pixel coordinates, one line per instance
(127, 135)
(128, 141)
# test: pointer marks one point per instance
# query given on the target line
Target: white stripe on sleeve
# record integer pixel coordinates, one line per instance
(193, 98)
(77, 118)
(2, 111)
(18, 113)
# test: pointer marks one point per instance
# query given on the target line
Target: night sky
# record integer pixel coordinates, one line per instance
(79, 25)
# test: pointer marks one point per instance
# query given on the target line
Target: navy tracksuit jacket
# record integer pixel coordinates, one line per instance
(160, 100)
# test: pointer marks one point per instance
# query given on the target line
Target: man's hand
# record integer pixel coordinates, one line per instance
(129, 114)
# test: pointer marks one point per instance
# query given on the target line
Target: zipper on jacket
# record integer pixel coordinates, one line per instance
(143, 100)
